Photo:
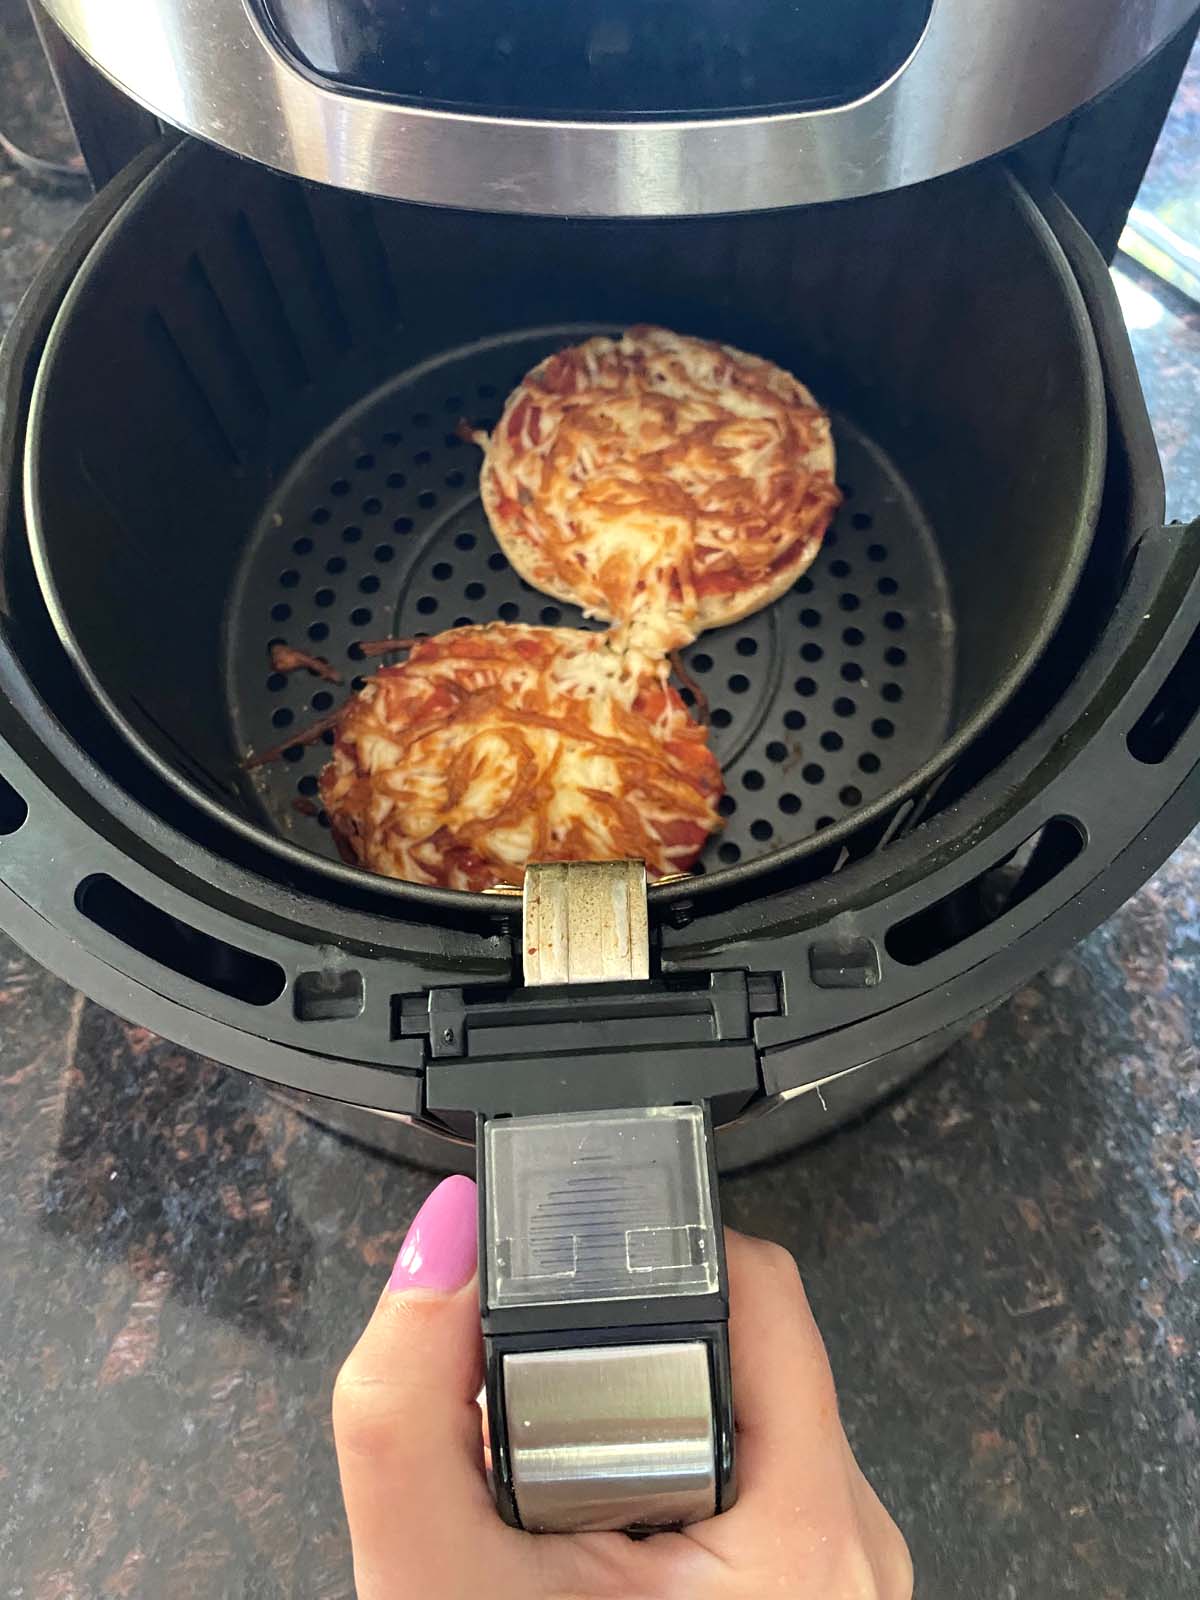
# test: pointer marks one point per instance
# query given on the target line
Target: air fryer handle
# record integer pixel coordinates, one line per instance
(605, 1316)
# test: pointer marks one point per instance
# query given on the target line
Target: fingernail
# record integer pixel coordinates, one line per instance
(439, 1249)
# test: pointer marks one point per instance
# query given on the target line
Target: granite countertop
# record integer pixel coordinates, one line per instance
(1003, 1259)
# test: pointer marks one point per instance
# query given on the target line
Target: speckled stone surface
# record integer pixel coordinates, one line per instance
(1004, 1262)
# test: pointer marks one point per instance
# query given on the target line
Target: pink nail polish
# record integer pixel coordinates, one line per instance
(439, 1249)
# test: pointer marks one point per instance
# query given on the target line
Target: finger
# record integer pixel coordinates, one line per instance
(790, 1446)
(405, 1419)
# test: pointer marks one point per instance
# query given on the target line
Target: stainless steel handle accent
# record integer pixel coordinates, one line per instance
(611, 1437)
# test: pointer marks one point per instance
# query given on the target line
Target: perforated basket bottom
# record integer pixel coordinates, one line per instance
(818, 705)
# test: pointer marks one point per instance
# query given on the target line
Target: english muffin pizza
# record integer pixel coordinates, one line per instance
(661, 482)
(494, 746)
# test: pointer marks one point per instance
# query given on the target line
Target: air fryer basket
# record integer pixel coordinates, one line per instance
(243, 430)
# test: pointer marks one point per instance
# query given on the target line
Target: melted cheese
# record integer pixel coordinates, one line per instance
(661, 482)
(494, 746)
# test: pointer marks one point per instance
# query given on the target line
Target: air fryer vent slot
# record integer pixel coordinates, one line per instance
(189, 951)
(1172, 710)
(13, 808)
(975, 905)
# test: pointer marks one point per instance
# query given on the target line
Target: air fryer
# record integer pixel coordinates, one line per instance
(231, 408)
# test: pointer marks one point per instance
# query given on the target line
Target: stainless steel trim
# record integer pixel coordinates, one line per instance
(611, 1437)
(585, 922)
(985, 75)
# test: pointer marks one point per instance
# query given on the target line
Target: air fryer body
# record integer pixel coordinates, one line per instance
(229, 418)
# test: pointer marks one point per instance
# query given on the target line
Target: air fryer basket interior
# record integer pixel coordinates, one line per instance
(244, 430)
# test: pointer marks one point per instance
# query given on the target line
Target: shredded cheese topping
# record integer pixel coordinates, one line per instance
(661, 482)
(494, 746)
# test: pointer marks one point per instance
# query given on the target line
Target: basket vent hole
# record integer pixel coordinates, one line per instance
(794, 720)
(322, 700)
(777, 751)
(497, 561)
(861, 520)
(13, 809)
(308, 784)
(851, 671)
(803, 585)
(475, 591)
(280, 612)
(853, 637)
(302, 546)
(442, 572)
(882, 728)
(805, 686)
(402, 525)
(423, 458)
(840, 569)
(335, 564)
(372, 506)
(319, 516)
(276, 682)
(427, 501)
(831, 741)
(318, 631)
(726, 805)
(810, 617)
(720, 717)
(729, 852)
(1171, 711)
(739, 683)
(747, 646)
(869, 761)
(340, 487)
(789, 804)
(993, 893)
(550, 615)
(384, 553)
(364, 463)
(282, 718)
(351, 534)
(752, 780)
(849, 795)
(369, 584)
(887, 586)
(509, 612)
(761, 830)
(811, 772)
(396, 480)
(427, 605)
(895, 656)
(324, 597)
(811, 652)
(892, 692)
(894, 620)
(849, 601)
(189, 951)
(877, 552)
(843, 706)
(360, 616)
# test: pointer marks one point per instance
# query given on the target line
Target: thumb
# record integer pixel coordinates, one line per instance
(404, 1414)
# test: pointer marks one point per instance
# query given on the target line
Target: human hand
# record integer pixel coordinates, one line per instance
(807, 1525)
